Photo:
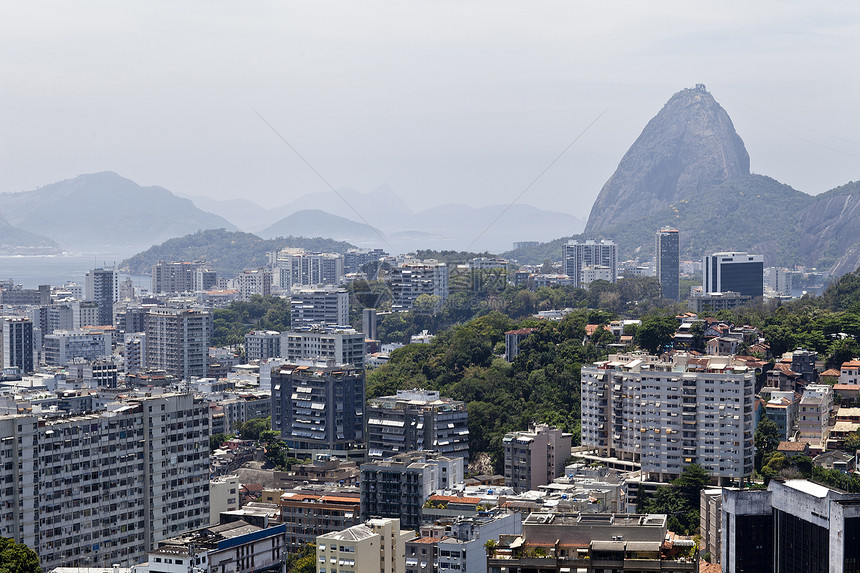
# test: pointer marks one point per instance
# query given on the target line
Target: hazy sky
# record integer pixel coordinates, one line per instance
(443, 101)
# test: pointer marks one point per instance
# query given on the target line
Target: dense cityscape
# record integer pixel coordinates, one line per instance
(429, 287)
(141, 433)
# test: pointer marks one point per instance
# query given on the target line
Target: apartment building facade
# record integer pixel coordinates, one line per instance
(326, 344)
(417, 420)
(177, 341)
(535, 457)
(102, 488)
(319, 408)
(410, 280)
(665, 415)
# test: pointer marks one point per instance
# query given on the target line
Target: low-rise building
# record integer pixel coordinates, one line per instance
(591, 543)
(237, 546)
(307, 515)
(377, 545)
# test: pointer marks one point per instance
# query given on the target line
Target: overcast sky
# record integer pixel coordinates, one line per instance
(444, 102)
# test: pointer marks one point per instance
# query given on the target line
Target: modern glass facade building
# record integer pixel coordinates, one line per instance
(738, 272)
(668, 263)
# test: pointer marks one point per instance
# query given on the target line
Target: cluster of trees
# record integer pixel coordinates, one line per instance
(17, 557)
(541, 385)
(679, 500)
(634, 297)
(231, 324)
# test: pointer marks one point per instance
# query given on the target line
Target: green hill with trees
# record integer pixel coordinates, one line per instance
(227, 252)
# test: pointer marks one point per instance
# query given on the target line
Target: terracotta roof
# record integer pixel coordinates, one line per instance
(710, 567)
(846, 387)
(521, 331)
(830, 372)
(590, 329)
(791, 446)
(851, 364)
(425, 540)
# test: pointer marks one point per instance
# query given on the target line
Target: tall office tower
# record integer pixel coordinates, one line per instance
(415, 420)
(262, 344)
(296, 268)
(592, 256)
(319, 409)
(667, 414)
(323, 344)
(668, 252)
(177, 341)
(174, 277)
(410, 280)
(794, 525)
(310, 306)
(100, 489)
(16, 350)
(103, 289)
(369, 323)
(737, 272)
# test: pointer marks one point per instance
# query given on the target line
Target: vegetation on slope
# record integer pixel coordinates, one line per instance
(227, 252)
(541, 385)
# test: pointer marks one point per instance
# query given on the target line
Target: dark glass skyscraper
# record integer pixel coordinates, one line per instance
(668, 263)
(737, 272)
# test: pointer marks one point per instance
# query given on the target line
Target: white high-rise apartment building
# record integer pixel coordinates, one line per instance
(317, 306)
(98, 489)
(591, 256)
(410, 280)
(296, 268)
(665, 415)
(177, 340)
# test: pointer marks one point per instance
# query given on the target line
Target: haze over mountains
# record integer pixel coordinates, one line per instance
(689, 169)
(104, 209)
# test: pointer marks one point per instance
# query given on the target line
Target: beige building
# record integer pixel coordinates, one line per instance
(535, 457)
(813, 418)
(378, 545)
(223, 496)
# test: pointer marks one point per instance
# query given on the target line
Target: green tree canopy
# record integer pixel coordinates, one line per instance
(17, 557)
(656, 332)
(766, 439)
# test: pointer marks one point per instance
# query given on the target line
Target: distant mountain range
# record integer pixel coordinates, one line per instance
(689, 170)
(361, 217)
(104, 210)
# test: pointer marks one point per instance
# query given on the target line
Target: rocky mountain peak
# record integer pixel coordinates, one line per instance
(690, 146)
